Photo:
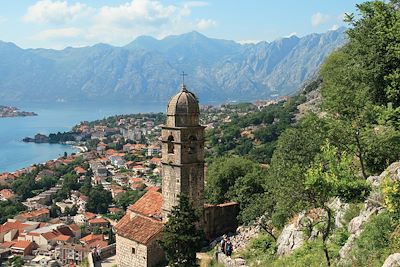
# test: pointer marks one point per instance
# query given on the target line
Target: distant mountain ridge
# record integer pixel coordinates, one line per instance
(148, 69)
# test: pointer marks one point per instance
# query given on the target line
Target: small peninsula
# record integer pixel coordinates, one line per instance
(8, 111)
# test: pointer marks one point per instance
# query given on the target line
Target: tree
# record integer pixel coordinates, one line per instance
(99, 200)
(332, 175)
(17, 261)
(222, 175)
(55, 211)
(128, 198)
(361, 81)
(70, 182)
(250, 184)
(181, 238)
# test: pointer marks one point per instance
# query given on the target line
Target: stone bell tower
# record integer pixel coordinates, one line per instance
(182, 152)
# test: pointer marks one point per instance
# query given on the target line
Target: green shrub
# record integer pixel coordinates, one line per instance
(374, 244)
(353, 211)
(310, 254)
(260, 250)
(341, 236)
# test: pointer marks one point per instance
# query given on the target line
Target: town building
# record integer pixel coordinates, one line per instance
(182, 173)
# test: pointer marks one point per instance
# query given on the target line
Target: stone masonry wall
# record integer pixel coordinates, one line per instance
(220, 219)
(125, 257)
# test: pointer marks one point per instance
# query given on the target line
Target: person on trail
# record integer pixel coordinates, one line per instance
(223, 242)
(228, 247)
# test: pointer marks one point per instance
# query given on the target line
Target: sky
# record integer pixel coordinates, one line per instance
(62, 23)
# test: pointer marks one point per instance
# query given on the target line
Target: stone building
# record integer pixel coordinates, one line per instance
(182, 173)
(182, 152)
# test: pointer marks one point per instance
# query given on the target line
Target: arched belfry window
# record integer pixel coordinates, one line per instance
(192, 144)
(170, 144)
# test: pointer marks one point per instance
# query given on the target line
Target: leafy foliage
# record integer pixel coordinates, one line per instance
(99, 200)
(374, 244)
(181, 239)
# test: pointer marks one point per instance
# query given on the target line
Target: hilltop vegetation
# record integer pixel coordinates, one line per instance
(323, 156)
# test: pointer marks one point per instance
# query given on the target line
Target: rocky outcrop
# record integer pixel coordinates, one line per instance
(301, 229)
(339, 208)
(355, 229)
(230, 262)
(373, 205)
(392, 261)
(392, 172)
(243, 235)
(292, 237)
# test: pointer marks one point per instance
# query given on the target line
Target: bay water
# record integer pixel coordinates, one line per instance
(53, 118)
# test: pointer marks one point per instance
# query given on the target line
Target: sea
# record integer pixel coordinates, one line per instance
(52, 118)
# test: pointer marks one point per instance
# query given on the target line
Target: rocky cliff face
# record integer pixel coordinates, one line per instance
(149, 69)
(304, 226)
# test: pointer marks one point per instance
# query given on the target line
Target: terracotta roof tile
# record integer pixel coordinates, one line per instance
(91, 238)
(89, 215)
(98, 244)
(63, 238)
(98, 220)
(50, 235)
(74, 227)
(148, 205)
(22, 244)
(140, 229)
(153, 188)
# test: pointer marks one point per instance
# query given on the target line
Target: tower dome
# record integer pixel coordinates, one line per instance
(183, 109)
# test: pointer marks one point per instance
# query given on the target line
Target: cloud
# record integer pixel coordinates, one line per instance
(318, 19)
(290, 35)
(122, 23)
(137, 12)
(117, 24)
(2, 19)
(248, 41)
(205, 24)
(60, 33)
(334, 27)
(56, 12)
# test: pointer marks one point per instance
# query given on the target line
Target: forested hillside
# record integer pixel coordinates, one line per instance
(316, 182)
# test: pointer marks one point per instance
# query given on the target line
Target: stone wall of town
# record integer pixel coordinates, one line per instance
(127, 257)
(220, 219)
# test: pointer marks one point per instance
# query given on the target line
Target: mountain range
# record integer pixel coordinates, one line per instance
(148, 69)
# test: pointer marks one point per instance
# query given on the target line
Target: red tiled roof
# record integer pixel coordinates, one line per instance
(149, 204)
(114, 210)
(7, 226)
(89, 215)
(153, 188)
(50, 235)
(98, 220)
(22, 244)
(98, 244)
(91, 238)
(33, 214)
(63, 238)
(74, 227)
(140, 229)
(7, 244)
(79, 170)
(136, 180)
(137, 186)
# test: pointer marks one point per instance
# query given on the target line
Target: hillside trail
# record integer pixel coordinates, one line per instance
(204, 258)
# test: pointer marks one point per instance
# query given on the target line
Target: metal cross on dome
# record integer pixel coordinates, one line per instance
(183, 77)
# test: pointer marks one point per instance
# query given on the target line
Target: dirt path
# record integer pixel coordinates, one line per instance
(204, 259)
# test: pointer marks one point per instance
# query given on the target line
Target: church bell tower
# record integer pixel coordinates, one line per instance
(182, 152)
